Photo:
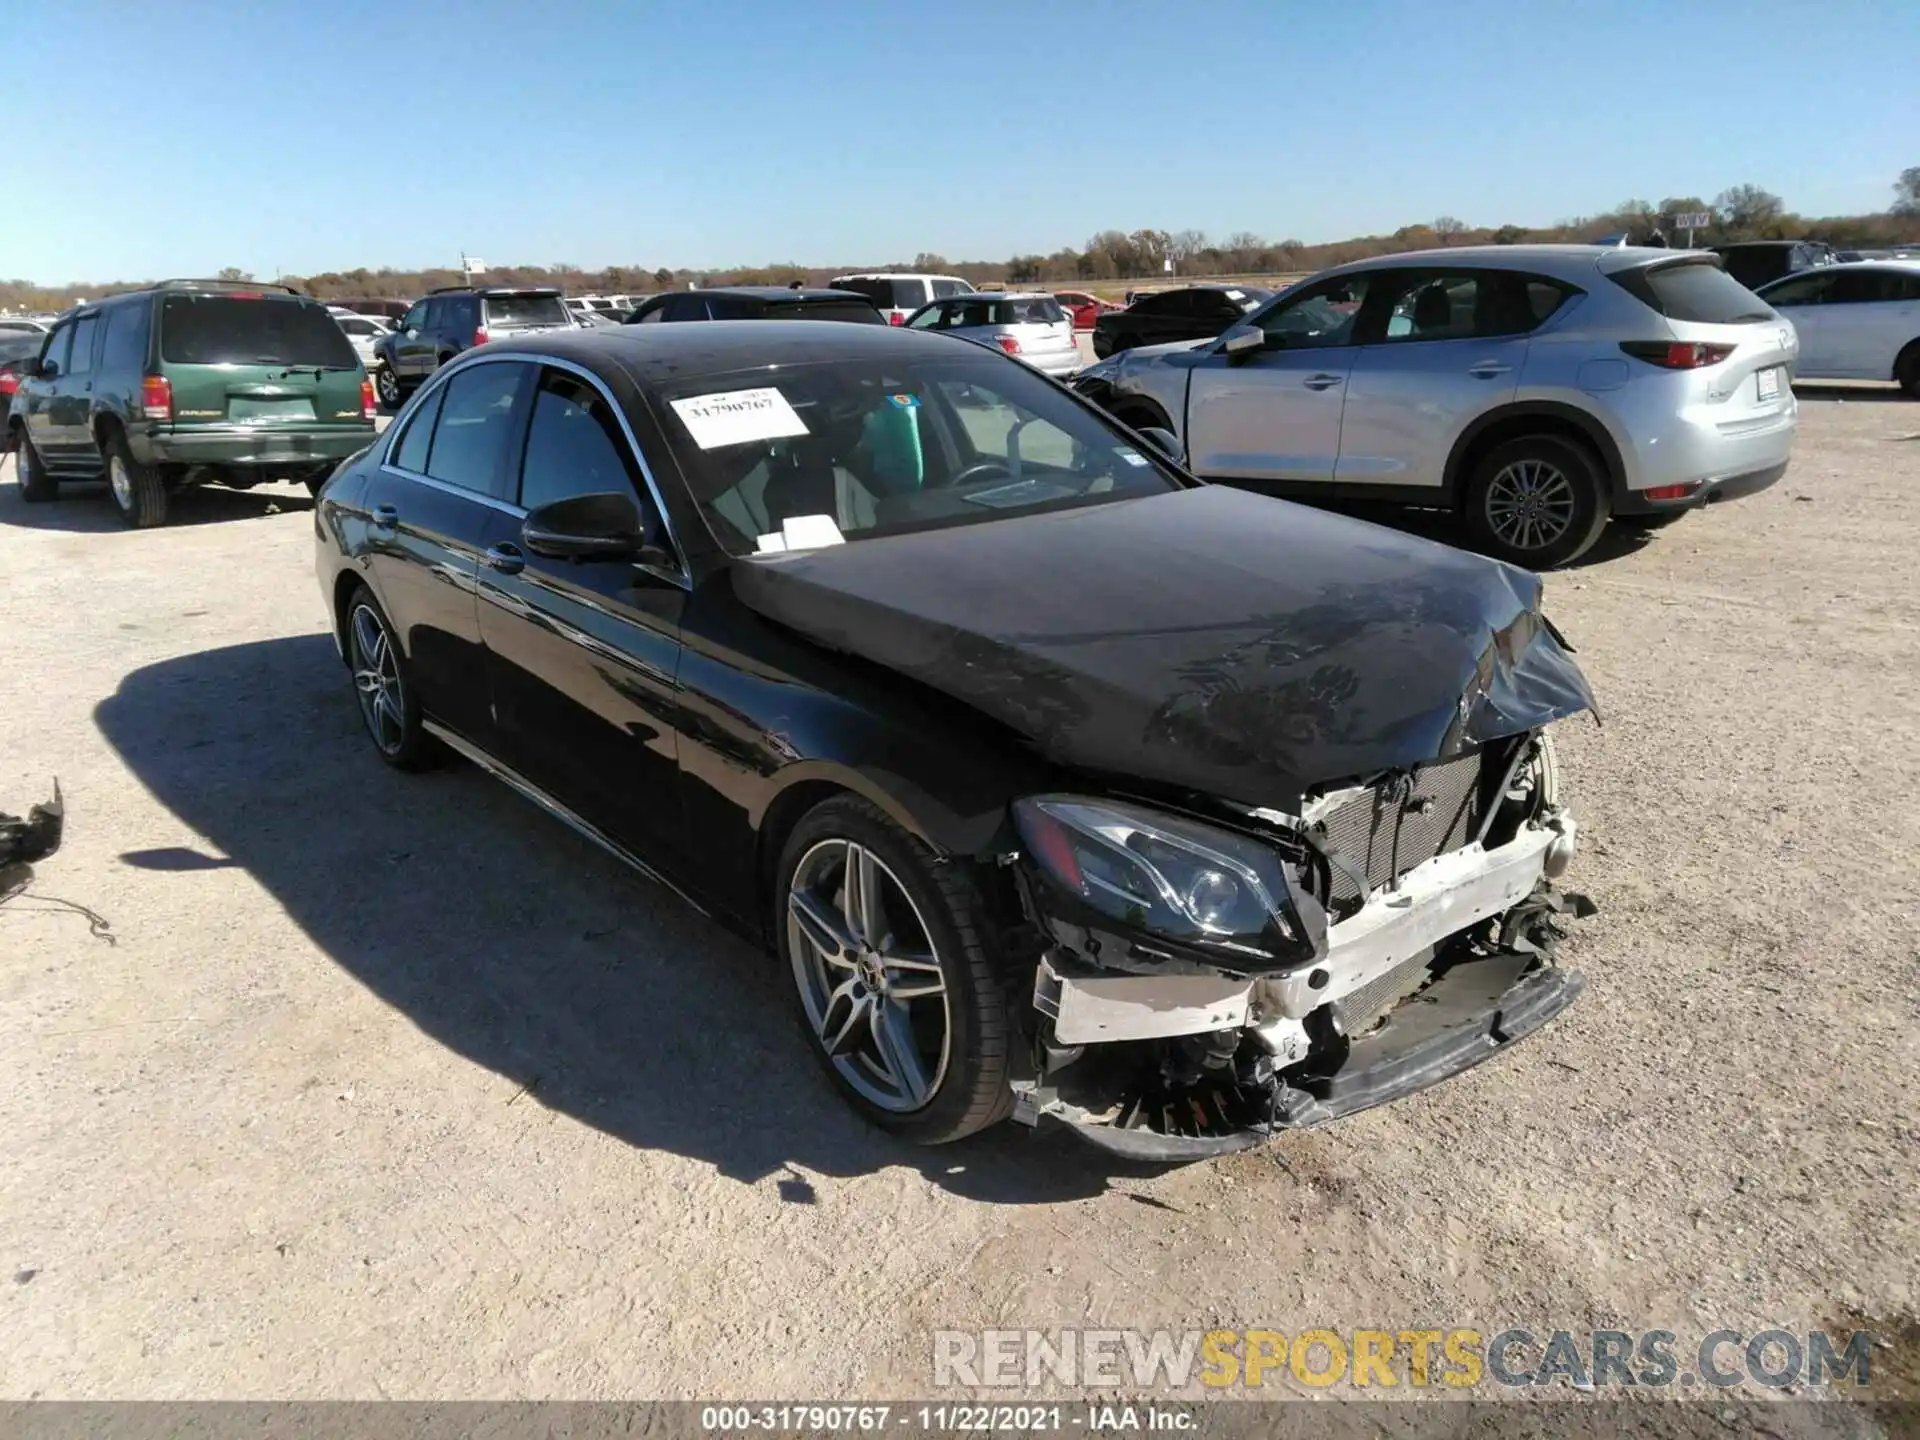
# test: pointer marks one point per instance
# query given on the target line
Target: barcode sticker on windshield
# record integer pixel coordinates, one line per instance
(735, 417)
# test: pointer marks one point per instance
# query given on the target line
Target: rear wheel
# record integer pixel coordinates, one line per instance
(1538, 501)
(36, 485)
(383, 684)
(137, 492)
(896, 987)
(1907, 369)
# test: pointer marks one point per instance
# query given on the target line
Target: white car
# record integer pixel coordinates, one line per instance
(362, 331)
(897, 296)
(1858, 321)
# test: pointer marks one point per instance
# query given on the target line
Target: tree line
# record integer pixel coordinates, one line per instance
(1742, 212)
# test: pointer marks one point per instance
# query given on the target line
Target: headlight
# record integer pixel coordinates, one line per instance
(1172, 876)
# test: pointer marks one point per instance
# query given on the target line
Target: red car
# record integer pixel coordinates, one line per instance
(15, 350)
(1084, 308)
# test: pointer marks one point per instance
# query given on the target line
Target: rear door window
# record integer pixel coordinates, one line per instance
(1695, 292)
(84, 330)
(411, 453)
(227, 330)
(474, 431)
(1850, 287)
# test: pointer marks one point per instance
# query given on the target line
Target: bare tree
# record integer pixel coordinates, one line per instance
(1446, 227)
(1907, 192)
(1747, 209)
(233, 272)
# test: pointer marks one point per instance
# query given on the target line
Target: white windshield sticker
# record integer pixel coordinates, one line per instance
(810, 532)
(735, 417)
(1132, 457)
(1236, 294)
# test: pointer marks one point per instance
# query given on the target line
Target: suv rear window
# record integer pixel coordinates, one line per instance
(888, 294)
(223, 330)
(526, 310)
(1697, 291)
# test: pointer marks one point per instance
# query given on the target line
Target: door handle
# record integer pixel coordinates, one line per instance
(1322, 381)
(507, 559)
(1487, 369)
(385, 517)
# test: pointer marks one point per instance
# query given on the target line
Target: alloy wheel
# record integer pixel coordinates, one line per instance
(869, 978)
(389, 386)
(376, 679)
(1530, 504)
(121, 482)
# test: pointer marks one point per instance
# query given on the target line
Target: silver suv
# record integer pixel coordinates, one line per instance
(1534, 389)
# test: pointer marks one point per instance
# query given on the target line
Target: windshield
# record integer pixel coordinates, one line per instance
(857, 449)
(528, 310)
(233, 330)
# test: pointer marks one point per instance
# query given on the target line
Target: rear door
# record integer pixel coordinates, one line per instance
(1275, 415)
(583, 653)
(1802, 300)
(1442, 347)
(434, 507)
(69, 444)
(271, 362)
(1867, 318)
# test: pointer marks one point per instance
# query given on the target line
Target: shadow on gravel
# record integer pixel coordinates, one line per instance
(85, 508)
(504, 936)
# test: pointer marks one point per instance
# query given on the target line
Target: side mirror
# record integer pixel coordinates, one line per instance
(1243, 340)
(45, 369)
(585, 527)
(1165, 441)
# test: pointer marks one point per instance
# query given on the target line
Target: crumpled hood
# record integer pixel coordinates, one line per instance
(1210, 639)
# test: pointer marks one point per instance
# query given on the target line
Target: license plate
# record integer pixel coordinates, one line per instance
(1770, 383)
(252, 407)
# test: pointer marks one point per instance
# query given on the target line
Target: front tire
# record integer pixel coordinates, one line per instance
(138, 493)
(36, 485)
(1538, 501)
(383, 686)
(898, 992)
(387, 386)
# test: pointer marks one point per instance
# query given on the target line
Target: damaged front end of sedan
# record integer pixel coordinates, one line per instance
(1212, 978)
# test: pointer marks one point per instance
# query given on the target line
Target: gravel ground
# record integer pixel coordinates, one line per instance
(391, 1087)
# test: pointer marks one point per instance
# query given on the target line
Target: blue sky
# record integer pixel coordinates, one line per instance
(152, 139)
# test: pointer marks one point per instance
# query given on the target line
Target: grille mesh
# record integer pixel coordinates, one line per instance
(1439, 812)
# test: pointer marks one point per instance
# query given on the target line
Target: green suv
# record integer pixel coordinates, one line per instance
(188, 382)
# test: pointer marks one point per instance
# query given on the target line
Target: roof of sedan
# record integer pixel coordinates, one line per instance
(656, 352)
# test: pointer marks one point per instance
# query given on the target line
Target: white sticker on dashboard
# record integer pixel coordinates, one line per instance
(734, 417)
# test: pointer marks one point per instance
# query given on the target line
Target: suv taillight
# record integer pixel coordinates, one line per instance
(9, 382)
(369, 406)
(156, 397)
(896, 318)
(1008, 344)
(479, 337)
(1677, 354)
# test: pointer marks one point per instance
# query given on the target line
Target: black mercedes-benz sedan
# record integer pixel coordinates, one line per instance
(1064, 786)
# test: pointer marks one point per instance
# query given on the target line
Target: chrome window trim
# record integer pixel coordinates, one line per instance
(445, 373)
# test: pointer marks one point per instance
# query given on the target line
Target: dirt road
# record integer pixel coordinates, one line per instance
(392, 1087)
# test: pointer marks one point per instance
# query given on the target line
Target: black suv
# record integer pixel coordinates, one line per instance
(756, 302)
(184, 382)
(455, 319)
(1756, 262)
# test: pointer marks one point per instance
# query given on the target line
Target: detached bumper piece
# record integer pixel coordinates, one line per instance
(1472, 1010)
